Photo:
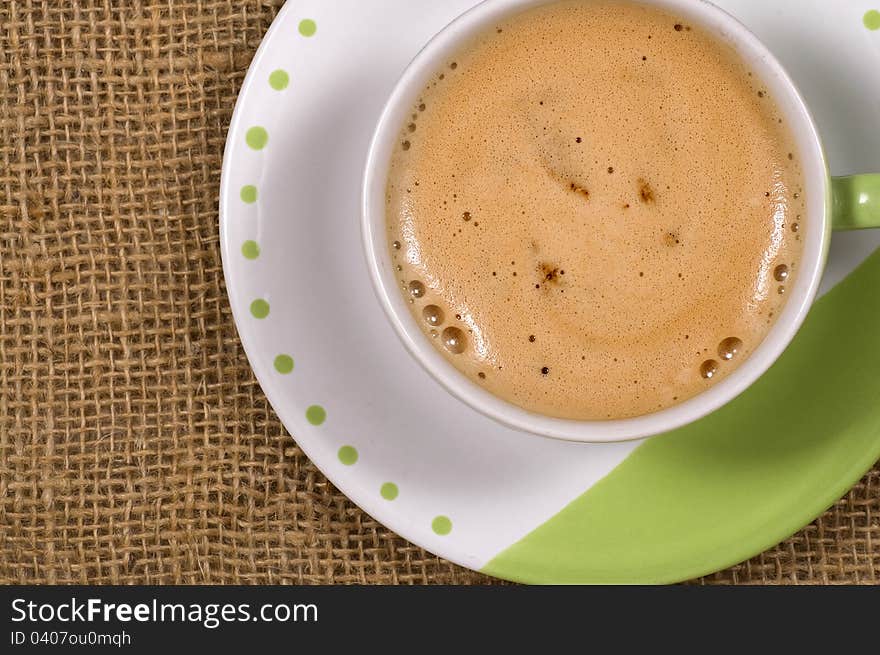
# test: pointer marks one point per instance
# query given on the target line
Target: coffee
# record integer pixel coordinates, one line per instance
(594, 210)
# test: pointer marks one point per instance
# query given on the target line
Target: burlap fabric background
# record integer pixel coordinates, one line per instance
(135, 444)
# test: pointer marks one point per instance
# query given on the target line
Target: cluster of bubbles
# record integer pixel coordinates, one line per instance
(406, 143)
(727, 350)
(453, 338)
(730, 347)
(411, 126)
(780, 274)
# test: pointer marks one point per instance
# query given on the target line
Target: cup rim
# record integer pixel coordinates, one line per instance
(816, 233)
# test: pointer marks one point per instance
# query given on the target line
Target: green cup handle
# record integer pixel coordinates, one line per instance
(856, 202)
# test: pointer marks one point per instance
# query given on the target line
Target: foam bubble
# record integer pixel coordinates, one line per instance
(454, 340)
(708, 369)
(729, 348)
(433, 315)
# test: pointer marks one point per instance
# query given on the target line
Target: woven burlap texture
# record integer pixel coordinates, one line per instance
(135, 443)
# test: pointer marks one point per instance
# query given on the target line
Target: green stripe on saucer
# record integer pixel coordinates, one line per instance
(739, 481)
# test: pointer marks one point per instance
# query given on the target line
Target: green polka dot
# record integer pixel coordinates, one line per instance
(348, 455)
(279, 79)
(389, 491)
(307, 27)
(872, 19)
(316, 415)
(441, 525)
(248, 194)
(250, 249)
(257, 137)
(284, 364)
(260, 308)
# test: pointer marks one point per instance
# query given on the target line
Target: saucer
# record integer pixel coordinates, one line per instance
(514, 505)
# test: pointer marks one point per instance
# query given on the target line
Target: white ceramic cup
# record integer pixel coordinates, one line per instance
(815, 227)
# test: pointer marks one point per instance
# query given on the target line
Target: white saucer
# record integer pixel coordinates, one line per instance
(466, 488)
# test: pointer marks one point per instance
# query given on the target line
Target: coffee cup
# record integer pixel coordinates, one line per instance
(842, 203)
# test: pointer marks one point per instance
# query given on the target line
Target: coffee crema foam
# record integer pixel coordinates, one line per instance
(594, 210)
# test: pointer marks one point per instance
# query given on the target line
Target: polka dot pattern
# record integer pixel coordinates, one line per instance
(257, 138)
